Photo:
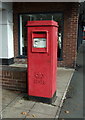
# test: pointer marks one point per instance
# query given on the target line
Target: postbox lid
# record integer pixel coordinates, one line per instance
(42, 23)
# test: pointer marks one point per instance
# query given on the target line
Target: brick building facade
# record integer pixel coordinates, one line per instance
(70, 25)
(15, 78)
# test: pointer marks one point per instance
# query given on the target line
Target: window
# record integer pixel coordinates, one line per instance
(58, 17)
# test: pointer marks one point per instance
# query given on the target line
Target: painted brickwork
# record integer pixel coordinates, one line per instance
(70, 11)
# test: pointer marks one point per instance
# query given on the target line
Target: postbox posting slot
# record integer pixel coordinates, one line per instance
(39, 41)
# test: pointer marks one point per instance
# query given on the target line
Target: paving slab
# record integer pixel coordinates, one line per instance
(45, 109)
(4, 106)
(10, 112)
(58, 99)
(35, 115)
(8, 96)
(22, 104)
(63, 78)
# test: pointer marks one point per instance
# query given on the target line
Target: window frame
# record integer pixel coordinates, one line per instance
(25, 56)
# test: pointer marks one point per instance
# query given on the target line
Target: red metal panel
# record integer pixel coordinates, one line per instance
(42, 62)
(42, 23)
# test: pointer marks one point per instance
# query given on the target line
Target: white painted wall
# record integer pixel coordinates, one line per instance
(0, 29)
(10, 41)
(4, 44)
(7, 32)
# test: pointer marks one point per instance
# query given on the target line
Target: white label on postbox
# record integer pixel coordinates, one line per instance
(39, 42)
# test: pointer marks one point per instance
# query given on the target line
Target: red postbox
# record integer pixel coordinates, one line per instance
(42, 59)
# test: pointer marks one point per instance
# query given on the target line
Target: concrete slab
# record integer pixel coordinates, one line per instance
(10, 112)
(4, 106)
(46, 109)
(22, 104)
(35, 115)
(63, 78)
(58, 99)
(18, 65)
(8, 96)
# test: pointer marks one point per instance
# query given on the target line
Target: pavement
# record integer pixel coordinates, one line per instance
(14, 105)
(73, 106)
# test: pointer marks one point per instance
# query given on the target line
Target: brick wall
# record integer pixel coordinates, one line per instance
(70, 11)
(14, 78)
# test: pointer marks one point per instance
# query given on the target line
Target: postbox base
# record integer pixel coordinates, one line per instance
(43, 99)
